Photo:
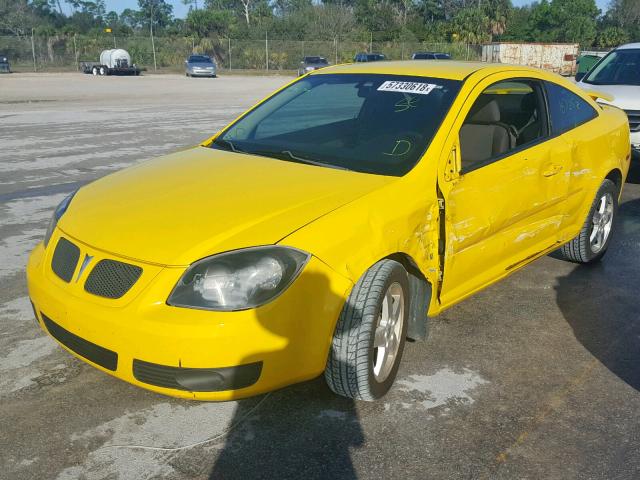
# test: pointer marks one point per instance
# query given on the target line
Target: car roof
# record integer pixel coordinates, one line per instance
(628, 46)
(453, 70)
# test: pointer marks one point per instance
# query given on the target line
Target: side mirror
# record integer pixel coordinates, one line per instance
(580, 76)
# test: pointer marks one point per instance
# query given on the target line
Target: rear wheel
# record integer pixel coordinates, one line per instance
(103, 71)
(94, 70)
(369, 338)
(592, 242)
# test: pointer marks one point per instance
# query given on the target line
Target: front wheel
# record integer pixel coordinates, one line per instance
(592, 242)
(369, 338)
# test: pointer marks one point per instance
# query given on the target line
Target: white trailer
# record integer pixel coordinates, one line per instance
(115, 61)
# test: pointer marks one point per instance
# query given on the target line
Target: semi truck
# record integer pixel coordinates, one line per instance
(115, 61)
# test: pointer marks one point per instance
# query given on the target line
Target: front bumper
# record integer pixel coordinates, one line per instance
(202, 73)
(185, 352)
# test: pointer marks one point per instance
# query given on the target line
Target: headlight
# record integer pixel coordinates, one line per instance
(308, 69)
(238, 280)
(57, 214)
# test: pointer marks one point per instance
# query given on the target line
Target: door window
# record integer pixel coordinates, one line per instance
(567, 109)
(507, 116)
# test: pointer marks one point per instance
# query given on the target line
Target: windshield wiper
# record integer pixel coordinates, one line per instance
(227, 145)
(288, 155)
(309, 161)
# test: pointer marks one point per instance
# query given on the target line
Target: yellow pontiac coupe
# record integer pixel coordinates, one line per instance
(318, 230)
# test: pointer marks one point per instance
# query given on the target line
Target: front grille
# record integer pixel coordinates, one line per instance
(92, 352)
(197, 379)
(634, 120)
(65, 258)
(112, 279)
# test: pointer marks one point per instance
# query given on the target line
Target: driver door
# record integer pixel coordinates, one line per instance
(506, 203)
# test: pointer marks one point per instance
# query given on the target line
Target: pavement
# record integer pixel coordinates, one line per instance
(537, 377)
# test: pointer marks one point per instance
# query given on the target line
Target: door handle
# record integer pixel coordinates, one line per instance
(553, 170)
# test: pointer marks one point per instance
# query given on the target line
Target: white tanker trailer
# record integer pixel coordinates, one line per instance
(112, 62)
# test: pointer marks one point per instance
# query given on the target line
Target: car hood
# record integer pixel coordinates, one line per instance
(626, 97)
(185, 206)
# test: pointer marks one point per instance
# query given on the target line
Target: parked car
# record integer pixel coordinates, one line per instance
(4, 64)
(430, 56)
(316, 232)
(618, 75)
(200, 66)
(369, 57)
(309, 64)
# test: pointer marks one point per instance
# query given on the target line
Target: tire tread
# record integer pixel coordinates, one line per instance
(348, 363)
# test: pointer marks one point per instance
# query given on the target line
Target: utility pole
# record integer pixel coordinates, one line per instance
(153, 45)
(370, 42)
(33, 51)
(266, 48)
(75, 51)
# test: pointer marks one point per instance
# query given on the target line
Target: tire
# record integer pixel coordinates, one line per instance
(187, 74)
(353, 358)
(103, 71)
(585, 249)
(94, 71)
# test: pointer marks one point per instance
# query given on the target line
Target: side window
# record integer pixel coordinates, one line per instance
(567, 110)
(506, 116)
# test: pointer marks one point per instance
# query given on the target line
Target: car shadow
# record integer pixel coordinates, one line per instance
(301, 431)
(600, 301)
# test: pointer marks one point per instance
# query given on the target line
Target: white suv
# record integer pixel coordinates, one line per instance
(618, 74)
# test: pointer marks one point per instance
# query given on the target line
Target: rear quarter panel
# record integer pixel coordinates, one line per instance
(598, 147)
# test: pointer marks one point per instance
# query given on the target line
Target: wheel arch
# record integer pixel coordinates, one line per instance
(419, 296)
(615, 176)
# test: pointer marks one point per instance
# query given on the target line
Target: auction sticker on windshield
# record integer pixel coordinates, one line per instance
(408, 87)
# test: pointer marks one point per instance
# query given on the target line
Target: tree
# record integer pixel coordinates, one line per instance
(159, 10)
(471, 25)
(16, 17)
(206, 23)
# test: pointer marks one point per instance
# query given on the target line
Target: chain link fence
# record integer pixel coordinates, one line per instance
(60, 52)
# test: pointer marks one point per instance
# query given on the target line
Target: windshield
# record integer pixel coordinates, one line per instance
(314, 60)
(620, 67)
(370, 123)
(199, 59)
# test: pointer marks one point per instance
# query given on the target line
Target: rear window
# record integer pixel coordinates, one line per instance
(370, 123)
(567, 110)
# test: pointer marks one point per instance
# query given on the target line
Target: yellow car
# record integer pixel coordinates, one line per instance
(321, 228)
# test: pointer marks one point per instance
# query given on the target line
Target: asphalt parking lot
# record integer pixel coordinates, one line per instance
(537, 377)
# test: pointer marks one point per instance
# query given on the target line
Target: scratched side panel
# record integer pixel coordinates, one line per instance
(597, 148)
(401, 217)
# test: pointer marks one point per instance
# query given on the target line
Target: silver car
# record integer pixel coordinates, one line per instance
(311, 63)
(200, 66)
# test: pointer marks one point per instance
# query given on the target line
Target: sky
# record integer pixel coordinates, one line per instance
(180, 10)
